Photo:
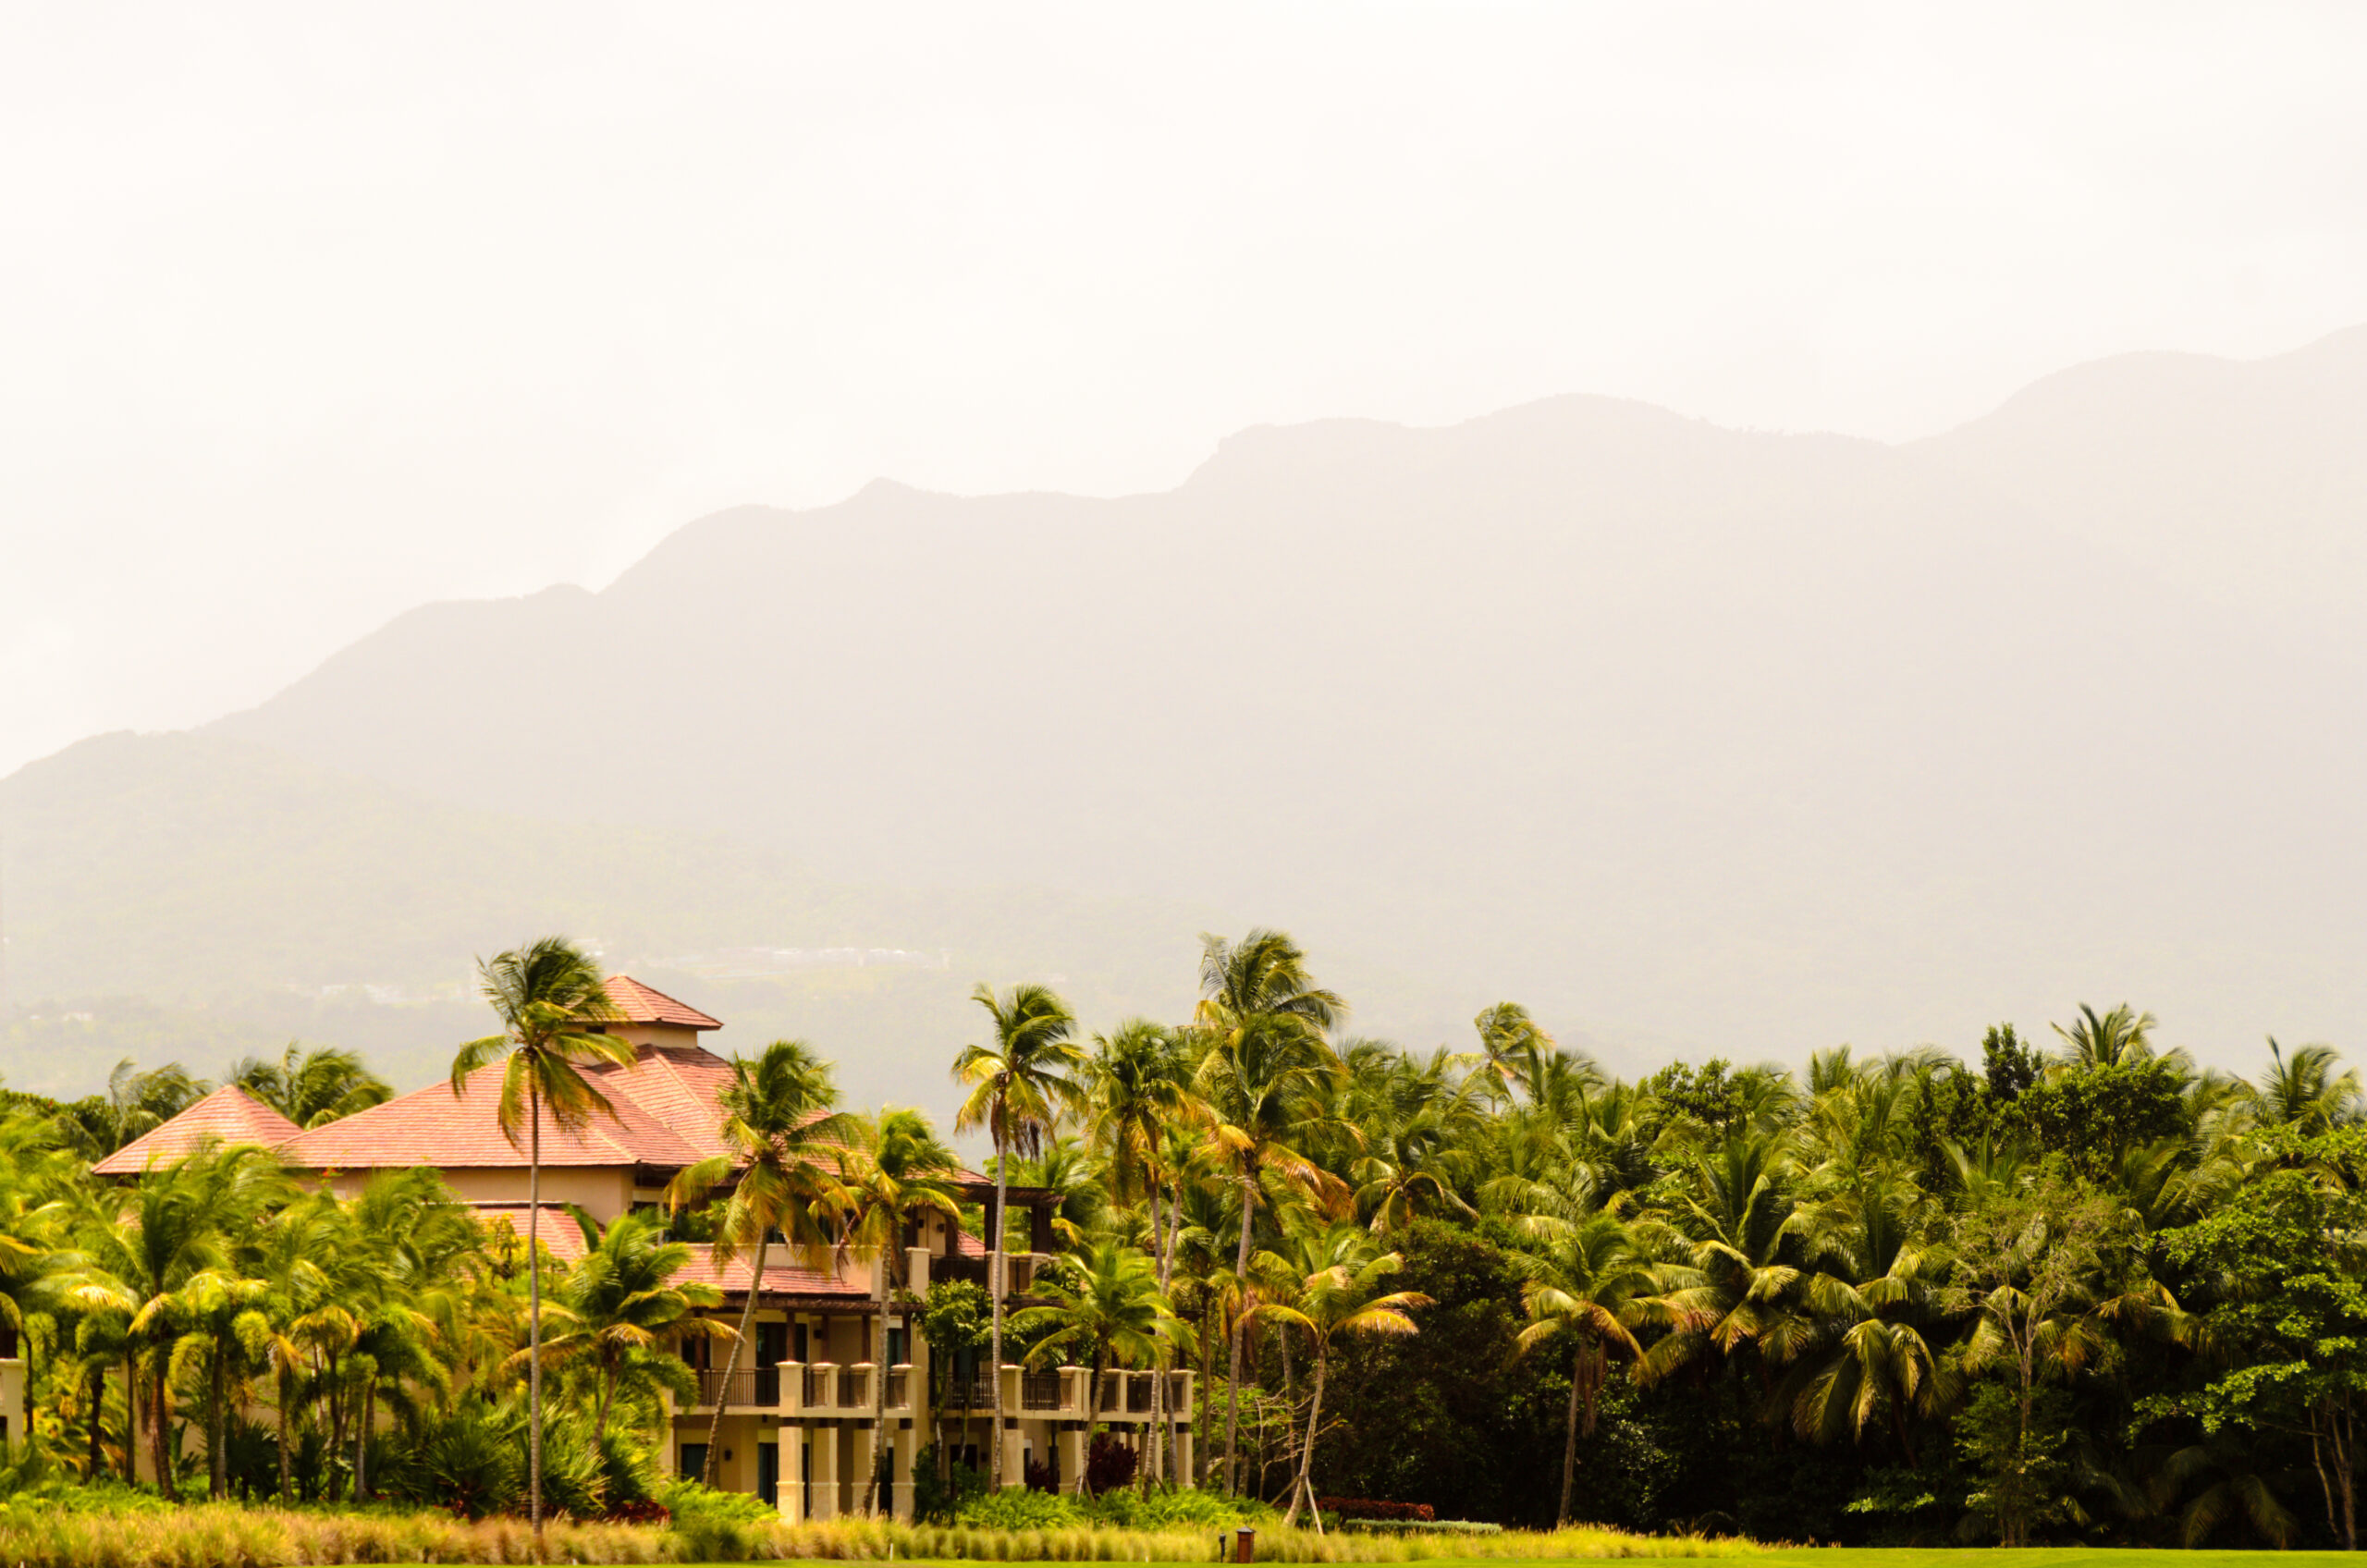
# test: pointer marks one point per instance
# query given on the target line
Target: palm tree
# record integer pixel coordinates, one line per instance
(1263, 1019)
(2305, 1093)
(1580, 1274)
(1334, 1278)
(1141, 1098)
(34, 1172)
(621, 1303)
(135, 1104)
(293, 1257)
(895, 1174)
(551, 1001)
(313, 1087)
(147, 1245)
(780, 1120)
(2117, 1038)
(1105, 1301)
(1019, 1088)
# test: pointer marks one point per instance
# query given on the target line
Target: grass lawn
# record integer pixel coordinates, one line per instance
(2037, 1557)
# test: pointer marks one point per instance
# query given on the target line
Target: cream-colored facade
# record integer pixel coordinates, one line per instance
(806, 1432)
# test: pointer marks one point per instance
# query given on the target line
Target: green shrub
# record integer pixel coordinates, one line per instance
(1185, 1508)
(1018, 1508)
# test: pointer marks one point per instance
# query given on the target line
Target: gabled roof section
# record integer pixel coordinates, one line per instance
(435, 1127)
(640, 1004)
(228, 1115)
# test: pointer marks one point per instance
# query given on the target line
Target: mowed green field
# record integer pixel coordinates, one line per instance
(1899, 1557)
(2035, 1557)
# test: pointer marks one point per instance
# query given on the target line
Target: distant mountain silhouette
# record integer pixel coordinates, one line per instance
(1734, 742)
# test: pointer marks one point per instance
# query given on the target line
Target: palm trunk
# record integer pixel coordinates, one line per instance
(1166, 1283)
(534, 1317)
(98, 1411)
(1092, 1415)
(336, 1426)
(1305, 1488)
(1570, 1436)
(731, 1362)
(994, 1289)
(600, 1418)
(1155, 1430)
(1207, 1313)
(881, 1447)
(217, 1472)
(1232, 1373)
(362, 1439)
(160, 1417)
(287, 1420)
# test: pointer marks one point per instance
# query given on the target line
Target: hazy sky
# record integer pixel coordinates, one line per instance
(309, 314)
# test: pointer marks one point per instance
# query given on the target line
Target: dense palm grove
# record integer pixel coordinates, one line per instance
(2082, 1291)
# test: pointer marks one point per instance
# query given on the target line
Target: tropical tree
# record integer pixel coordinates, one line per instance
(784, 1131)
(620, 1308)
(149, 1243)
(2122, 1035)
(1267, 1064)
(2304, 1092)
(893, 1173)
(1580, 1276)
(1020, 1088)
(1334, 1277)
(1105, 1303)
(311, 1087)
(553, 1004)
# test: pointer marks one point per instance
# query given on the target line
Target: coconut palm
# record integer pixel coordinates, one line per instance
(1332, 1277)
(893, 1174)
(2304, 1092)
(552, 1003)
(1581, 1277)
(781, 1122)
(1105, 1303)
(1262, 1020)
(147, 1245)
(1019, 1086)
(311, 1087)
(620, 1305)
(2117, 1038)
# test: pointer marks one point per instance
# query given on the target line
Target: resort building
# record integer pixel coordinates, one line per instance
(799, 1428)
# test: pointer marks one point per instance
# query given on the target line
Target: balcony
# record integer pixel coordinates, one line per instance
(1043, 1390)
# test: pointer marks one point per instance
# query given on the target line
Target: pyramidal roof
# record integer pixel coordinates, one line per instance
(640, 1004)
(228, 1115)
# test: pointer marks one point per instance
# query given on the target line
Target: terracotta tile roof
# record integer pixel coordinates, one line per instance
(229, 1114)
(434, 1127)
(680, 1087)
(642, 1005)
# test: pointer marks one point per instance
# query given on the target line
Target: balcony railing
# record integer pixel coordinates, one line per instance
(1138, 1393)
(899, 1379)
(818, 1387)
(1042, 1390)
(715, 1384)
(855, 1388)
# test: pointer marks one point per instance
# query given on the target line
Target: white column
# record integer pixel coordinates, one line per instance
(825, 1439)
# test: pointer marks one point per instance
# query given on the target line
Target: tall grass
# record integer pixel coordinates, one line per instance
(227, 1536)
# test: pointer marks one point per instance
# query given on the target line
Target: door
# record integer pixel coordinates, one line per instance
(768, 1474)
